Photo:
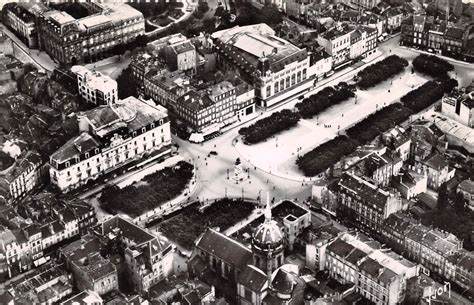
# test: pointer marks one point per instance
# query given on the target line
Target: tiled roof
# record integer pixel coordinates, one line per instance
(340, 247)
(365, 190)
(283, 281)
(183, 47)
(75, 146)
(467, 186)
(253, 278)
(436, 161)
(225, 248)
(81, 248)
(98, 267)
(127, 229)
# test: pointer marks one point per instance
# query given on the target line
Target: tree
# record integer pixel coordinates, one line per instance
(443, 198)
(125, 86)
(459, 202)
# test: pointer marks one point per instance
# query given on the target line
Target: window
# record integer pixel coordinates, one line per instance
(269, 90)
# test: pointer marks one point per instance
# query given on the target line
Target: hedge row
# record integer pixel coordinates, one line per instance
(269, 126)
(158, 188)
(324, 99)
(327, 154)
(378, 122)
(381, 71)
(432, 65)
(428, 93)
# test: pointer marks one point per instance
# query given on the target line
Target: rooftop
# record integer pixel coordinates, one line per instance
(467, 186)
(127, 229)
(368, 191)
(248, 44)
(94, 79)
(227, 249)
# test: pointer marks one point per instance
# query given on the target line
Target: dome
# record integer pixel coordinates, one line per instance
(268, 235)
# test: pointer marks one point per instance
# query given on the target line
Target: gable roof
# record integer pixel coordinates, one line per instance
(253, 278)
(225, 248)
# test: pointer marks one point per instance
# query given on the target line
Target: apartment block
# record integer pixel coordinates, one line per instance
(366, 203)
(91, 38)
(459, 106)
(111, 137)
(94, 87)
(378, 274)
(149, 258)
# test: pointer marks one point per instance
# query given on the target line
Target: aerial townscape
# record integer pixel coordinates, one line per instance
(260, 152)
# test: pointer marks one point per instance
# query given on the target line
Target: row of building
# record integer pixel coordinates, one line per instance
(69, 40)
(111, 252)
(438, 36)
(375, 187)
(30, 231)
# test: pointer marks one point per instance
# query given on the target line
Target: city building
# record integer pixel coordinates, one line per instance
(393, 18)
(95, 273)
(94, 87)
(6, 44)
(86, 297)
(379, 166)
(430, 247)
(436, 168)
(111, 137)
(22, 176)
(21, 21)
(320, 63)
(410, 183)
(181, 56)
(216, 106)
(337, 43)
(91, 271)
(71, 41)
(148, 258)
(164, 87)
(449, 39)
(378, 274)
(365, 4)
(276, 68)
(459, 106)
(459, 268)
(398, 140)
(456, 135)
(467, 189)
(366, 203)
(143, 62)
(49, 285)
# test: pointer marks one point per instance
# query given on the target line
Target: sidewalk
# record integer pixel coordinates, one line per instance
(437, 55)
(40, 59)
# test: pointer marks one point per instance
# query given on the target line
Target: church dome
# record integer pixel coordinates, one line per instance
(268, 235)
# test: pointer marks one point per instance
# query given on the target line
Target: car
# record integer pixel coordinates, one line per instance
(213, 152)
(301, 97)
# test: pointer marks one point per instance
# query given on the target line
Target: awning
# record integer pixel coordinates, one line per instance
(196, 138)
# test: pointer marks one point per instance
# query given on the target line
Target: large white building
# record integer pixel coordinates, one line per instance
(111, 137)
(94, 87)
(459, 106)
(276, 68)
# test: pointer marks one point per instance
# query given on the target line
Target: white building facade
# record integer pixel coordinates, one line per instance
(112, 136)
(94, 87)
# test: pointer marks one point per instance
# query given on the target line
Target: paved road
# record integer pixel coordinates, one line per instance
(40, 59)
